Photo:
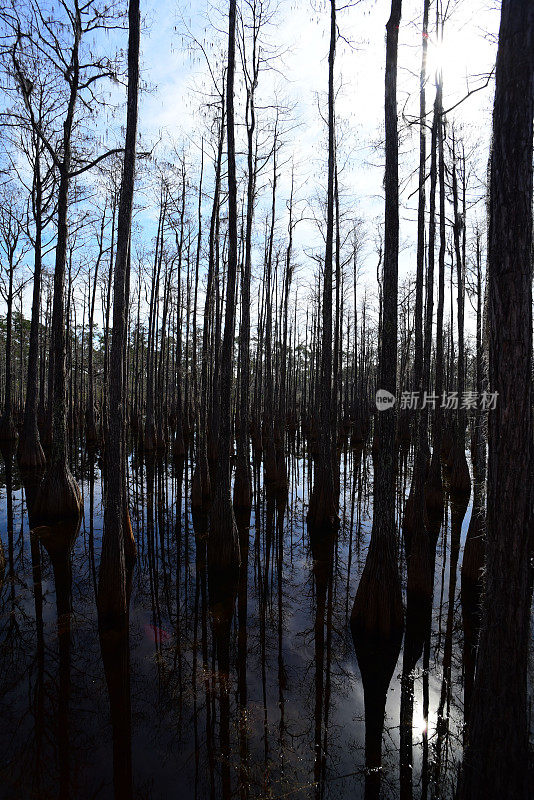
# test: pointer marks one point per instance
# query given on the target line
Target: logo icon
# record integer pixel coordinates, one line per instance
(384, 399)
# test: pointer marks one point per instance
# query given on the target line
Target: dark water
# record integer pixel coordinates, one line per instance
(287, 722)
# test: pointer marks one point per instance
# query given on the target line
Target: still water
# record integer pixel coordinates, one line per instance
(283, 718)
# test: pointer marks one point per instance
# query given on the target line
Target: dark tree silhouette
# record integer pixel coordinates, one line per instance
(118, 546)
(223, 542)
(377, 617)
(322, 510)
(496, 758)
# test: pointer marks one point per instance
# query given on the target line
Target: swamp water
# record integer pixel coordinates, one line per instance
(272, 708)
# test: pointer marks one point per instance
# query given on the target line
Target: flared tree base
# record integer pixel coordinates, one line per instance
(201, 488)
(460, 479)
(434, 496)
(30, 454)
(376, 623)
(58, 498)
(58, 540)
(322, 518)
(243, 489)
(223, 541)
(178, 446)
(8, 432)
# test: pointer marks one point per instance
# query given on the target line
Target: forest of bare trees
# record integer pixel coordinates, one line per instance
(265, 495)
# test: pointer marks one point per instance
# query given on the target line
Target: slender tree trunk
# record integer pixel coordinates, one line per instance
(90, 412)
(322, 510)
(473, 556)
(59, 495)
(29, 452)
(201, 483)
(421, 203)
(377, 617)
(107, 313)
(243, 477)
(7, 426)
(223, 542)
(118, 546)
(434, 486)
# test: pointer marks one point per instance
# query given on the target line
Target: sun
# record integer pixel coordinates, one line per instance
(420, 724)
(440, 57)
(451, 57)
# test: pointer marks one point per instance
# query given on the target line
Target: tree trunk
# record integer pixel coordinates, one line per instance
(91, 433)
(118, 545)
(59, 495)
(29, 452)
(223, 542)
(496, 758)
(377, 617)
(243, 478)
(7, 426)
(322, 510)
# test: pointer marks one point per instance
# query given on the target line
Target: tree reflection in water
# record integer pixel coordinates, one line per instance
(242, 685)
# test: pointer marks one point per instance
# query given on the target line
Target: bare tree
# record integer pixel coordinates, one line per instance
(12, 250)
(377, 617)
(61, 46)
(223, 543)
(322, 510)
(118, 545)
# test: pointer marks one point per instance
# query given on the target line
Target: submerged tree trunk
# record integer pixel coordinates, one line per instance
(473, 557)
(201, 488)
(243, 478)
(118, 546)
(496, 758)
(29, 452)
(322, 510)
(223, 542)
(59, 495)
(421, 203)
(91, 433)
(7, 426)
(377, 617)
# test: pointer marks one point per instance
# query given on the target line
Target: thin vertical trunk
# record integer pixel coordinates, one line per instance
(59, 495)
(223, 542)
(108, 309)
(322, 510)
(421, 203)
(90, 414)
(118, 546)
(377, 617)
(243, 478)
(29, 451)
(458, 228)
(7, 426)
(434, 486)
(201, 484)
(473, 556)
(438, 417)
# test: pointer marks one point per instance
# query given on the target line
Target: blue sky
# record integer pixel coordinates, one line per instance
(175, 74)
(301, 31)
